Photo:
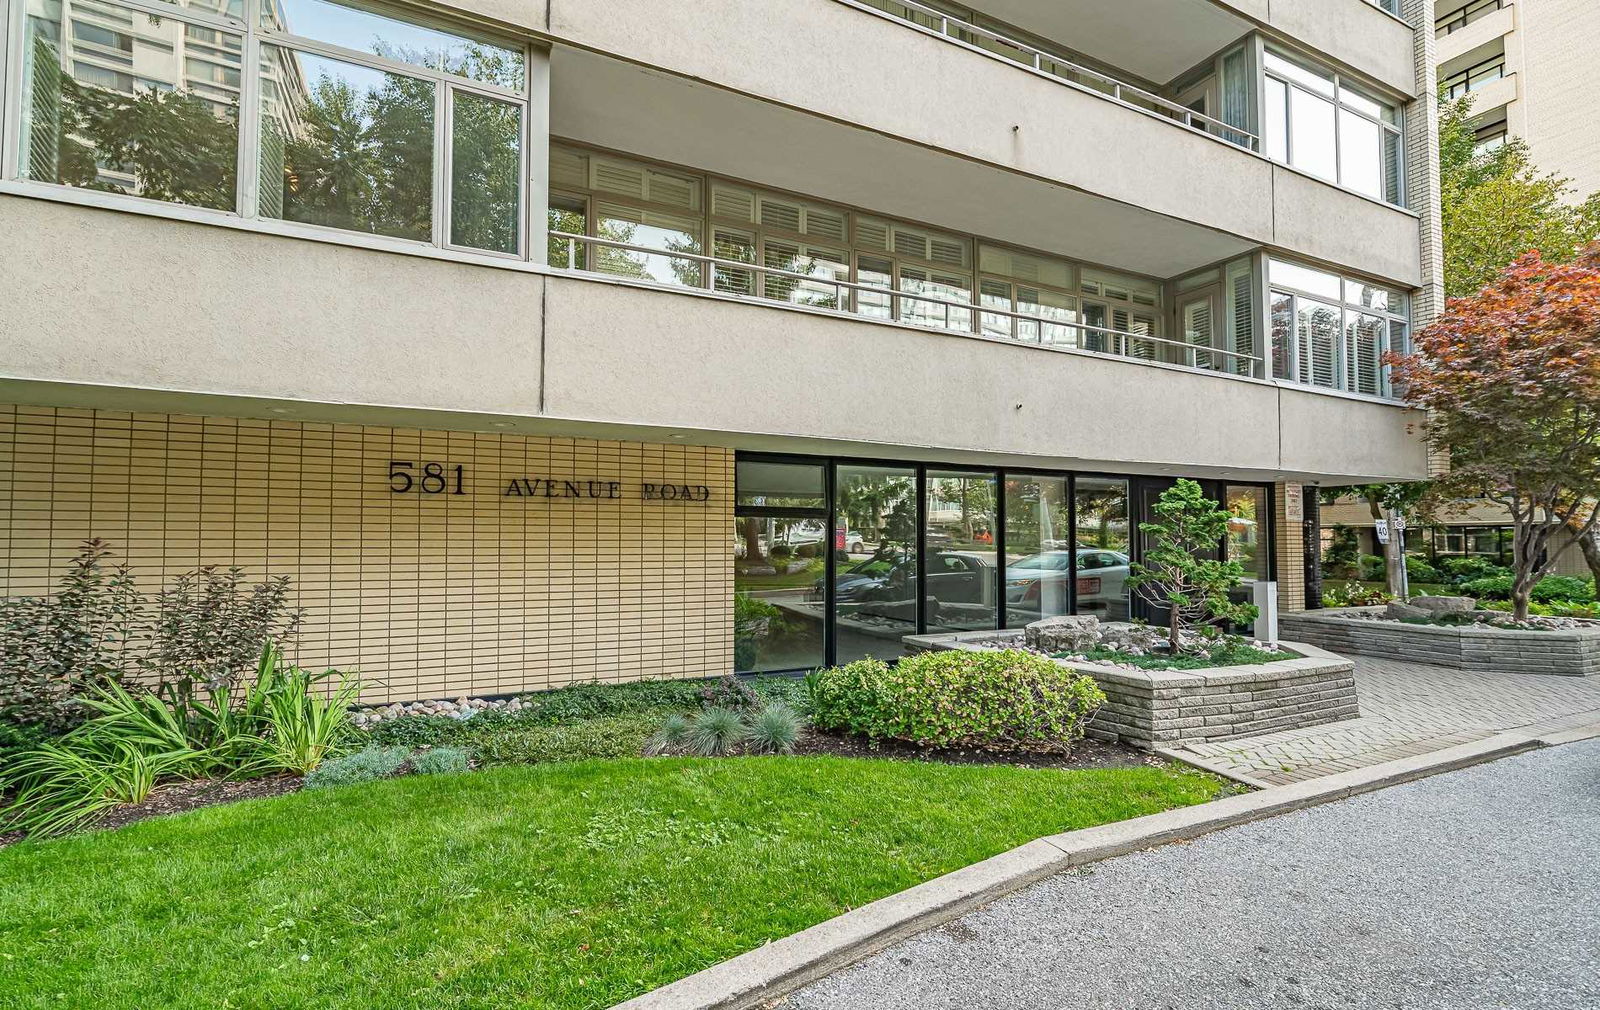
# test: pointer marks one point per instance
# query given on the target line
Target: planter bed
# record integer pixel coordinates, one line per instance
(1161, 708)
(1562, 652)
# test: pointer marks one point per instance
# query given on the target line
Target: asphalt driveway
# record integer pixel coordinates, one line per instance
(1475, 889)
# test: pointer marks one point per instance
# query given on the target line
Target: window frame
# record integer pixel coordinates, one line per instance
(1349, 313)
(1340, 83)
(247, 187)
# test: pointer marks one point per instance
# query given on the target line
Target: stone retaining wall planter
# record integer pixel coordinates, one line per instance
(1563, 652)
(1160, 708)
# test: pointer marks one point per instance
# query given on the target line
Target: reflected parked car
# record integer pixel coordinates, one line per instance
(1040, 579)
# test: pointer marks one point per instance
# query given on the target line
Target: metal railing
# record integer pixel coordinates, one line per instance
(1460, 18)
(779, 286)
(1474, 77)
(1061, 68)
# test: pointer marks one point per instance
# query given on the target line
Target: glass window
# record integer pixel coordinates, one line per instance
(1331, 331)
(779, 571)
(1318, 332)
(1361, 154)
(1102, 548)
(346, 146)
(1247, 530)
(780, 485)
(173, 137)
(1311, 139)
(1276, 120)
(875, 593)
(875, 272)
(1303, 278)
(569, 214)
(1282, 307)
(401, 41)
(648, 230)
(1038, 573)
(485, 173)
(959, 558)
(814, 261)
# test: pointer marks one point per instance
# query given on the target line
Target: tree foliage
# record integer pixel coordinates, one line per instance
(1510, 378)
(1496, 205)
(1176, 573)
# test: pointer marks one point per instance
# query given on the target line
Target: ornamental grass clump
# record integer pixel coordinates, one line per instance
(716, 732)
(1001, 700)
(774, 729)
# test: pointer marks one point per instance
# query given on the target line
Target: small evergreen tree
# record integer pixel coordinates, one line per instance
(1174, 572)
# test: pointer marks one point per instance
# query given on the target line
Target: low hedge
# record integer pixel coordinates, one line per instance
(1001, 700)
(1550, 589)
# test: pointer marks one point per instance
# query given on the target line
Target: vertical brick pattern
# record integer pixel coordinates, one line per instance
(424, 596)
(1291, 554)
(1422, 177)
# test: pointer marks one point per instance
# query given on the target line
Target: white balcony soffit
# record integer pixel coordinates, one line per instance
(1479, 33)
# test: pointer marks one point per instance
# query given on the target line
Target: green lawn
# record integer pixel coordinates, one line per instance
(561, 885)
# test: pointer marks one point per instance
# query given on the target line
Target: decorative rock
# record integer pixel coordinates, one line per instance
(1137, 639)
(1444, 604)
(1063, 634)
(1406, 612)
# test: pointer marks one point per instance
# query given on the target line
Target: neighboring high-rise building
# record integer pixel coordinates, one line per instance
(1529, 66)
(560, 341)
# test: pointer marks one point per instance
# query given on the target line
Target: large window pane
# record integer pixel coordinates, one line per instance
(346, 146)
(1038, 573)
(1102, 549)
(1247, 530)
(485, 173)
(648, 229)
(125, 118)
(1318, 330)
(402, 41)
(1360, 154)
(1311, 139)
(1275, 121)
(1282, 308)
(779, 571)
(875, 589)
(1363, 349)
(569, 214)
(963, 575)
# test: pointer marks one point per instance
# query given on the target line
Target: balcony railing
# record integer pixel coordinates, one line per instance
(1459, 19)
(1474, 77)
(1059, 67)
(777, 286)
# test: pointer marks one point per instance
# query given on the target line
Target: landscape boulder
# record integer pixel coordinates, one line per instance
(1063, 634)
(1406, 612)
(1435, 605)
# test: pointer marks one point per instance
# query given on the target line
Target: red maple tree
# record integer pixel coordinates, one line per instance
(1510, 378)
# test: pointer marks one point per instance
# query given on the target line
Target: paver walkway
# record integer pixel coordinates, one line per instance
(1473, 890)
(1406, 709)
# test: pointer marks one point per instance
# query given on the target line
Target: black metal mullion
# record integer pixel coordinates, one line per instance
(1072, 543)
(922, 544)
(1000, 549)
(830, 636)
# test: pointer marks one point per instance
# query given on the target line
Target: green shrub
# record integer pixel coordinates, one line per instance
(17, 737)
(421, 730)
(1001, 700)
(1563, 589)
(594, 738)
(1353, 594)
(1490, 587)
(367, 765)
(1373, 568)
(1342, 558)
(440, 761)
(1419, 571)
(1460, 570)
(774, 729)
(715, 732)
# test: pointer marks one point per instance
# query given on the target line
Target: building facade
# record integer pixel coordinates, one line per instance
(1528, 65)
(540, 343)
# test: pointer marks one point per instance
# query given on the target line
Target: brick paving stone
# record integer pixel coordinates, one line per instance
(1409, 709)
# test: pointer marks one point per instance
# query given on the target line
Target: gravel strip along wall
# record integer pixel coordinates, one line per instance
(1149, 708)
(1561, 652)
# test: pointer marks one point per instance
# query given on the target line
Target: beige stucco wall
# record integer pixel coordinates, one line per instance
(1553, 51)
(424, 596)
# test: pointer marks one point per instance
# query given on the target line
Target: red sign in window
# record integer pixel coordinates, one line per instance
(838, 539)
(1089, 586)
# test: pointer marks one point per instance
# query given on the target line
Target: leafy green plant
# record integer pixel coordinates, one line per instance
(997, 700)
(64, 786)
(1372, 568)
(59, 648)
(729, 692)
(1353, 594)
(210, 627)
(303, 726)
(1563, 589)
(1174, 572)
(774, 729)
(1459, 570)
(594, 738)
(367, 765)
(716, 732)
(1342, 558)
(422, 730)
(1418, 571)
(440, 761)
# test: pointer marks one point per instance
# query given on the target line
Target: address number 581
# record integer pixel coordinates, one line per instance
(432, 478)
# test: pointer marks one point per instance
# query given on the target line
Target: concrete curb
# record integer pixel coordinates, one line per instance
(768, 973)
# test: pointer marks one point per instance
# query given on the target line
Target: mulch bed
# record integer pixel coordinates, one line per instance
(176, 797)
(1087, 754)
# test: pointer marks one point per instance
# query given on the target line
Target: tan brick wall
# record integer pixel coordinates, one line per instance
(424, 595)
(1291, 554)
